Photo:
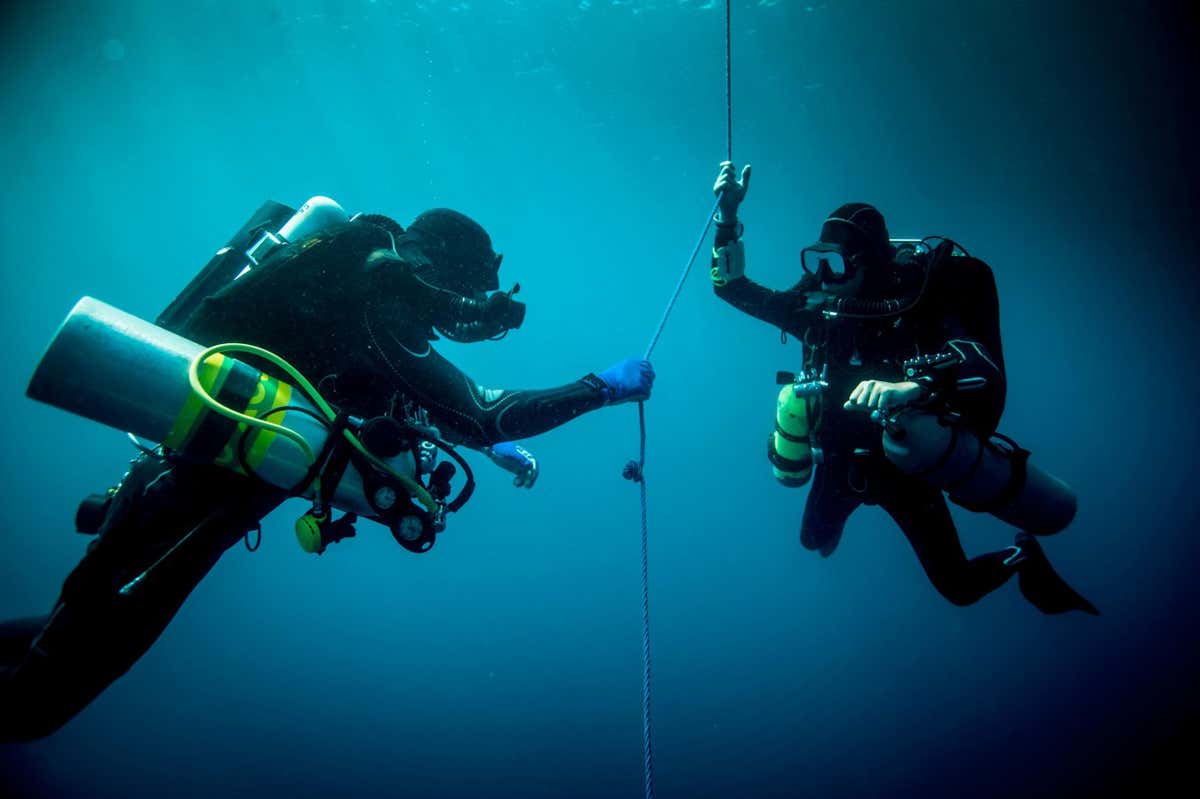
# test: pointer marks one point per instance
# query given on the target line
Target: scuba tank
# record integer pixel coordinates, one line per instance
(992, 476)
(270, 227)
(273, 226)
(206, 407)
(796, 409)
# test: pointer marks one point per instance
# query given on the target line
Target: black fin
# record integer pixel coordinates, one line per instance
(1042, 586)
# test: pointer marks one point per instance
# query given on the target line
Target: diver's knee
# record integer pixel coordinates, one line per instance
(23, 727)
(815, 536)
(65, 668)
(956, 592)
(960, 600)
(29, 712)
(812, 539)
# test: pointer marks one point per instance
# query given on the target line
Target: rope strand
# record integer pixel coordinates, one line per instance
(662, 323)
(647, 738)
(635, 470)
(728, 84)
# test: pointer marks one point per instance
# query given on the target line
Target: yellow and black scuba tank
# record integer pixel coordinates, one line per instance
(797, 408)
(207, 407)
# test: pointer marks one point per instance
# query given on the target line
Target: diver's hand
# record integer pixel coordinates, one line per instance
(512, 457)
(731, 190)
(627, 381)
(877, 395)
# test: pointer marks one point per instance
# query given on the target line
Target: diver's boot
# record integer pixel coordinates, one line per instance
(1039, 583)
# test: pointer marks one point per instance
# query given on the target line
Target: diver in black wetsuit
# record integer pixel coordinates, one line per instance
(885, 331)
(356, 308)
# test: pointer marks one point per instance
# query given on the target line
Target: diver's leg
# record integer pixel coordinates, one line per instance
(921, 511)
(829, 505)
(1040, 583)
(162, 518)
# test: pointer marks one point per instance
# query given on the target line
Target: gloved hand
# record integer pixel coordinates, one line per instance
(731, 190)
(627, 381)
(512, 457)
(729, 263)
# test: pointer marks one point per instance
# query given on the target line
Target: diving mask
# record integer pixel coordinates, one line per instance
(827, 263)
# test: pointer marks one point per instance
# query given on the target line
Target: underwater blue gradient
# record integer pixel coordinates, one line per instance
(1051, 139)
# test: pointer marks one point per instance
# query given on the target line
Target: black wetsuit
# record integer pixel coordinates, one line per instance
(345, 313)
(957, 312)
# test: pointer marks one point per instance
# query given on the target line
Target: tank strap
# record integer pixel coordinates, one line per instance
(330, 463)
(336, 459)
(257, 530)
(858, 473)
(786, 464)
(1016, 481)
(786, 436)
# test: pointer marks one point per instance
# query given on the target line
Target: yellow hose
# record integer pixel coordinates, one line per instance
(414, 488)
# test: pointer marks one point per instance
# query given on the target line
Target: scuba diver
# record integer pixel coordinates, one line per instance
(897, 403)
(353, 302)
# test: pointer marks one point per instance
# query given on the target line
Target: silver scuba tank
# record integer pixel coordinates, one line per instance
(314, 216)
(119, 370)
(269, 228)
(979, 475)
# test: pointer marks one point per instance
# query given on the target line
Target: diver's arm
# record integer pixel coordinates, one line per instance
(788, 310)
(783, 309)
(729, 259)
(793, 310)
(971, 328)
(486, 416)
(966, 371)
(962, 366)
(480, 416)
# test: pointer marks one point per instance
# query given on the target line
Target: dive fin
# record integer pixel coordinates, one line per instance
(1041, 585)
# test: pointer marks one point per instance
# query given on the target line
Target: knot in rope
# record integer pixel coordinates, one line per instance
(632, 471)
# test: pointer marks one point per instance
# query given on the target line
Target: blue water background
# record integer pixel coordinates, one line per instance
(1051, 139)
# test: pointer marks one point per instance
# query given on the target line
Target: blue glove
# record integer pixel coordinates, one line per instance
(628, 381)
(512, 457)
